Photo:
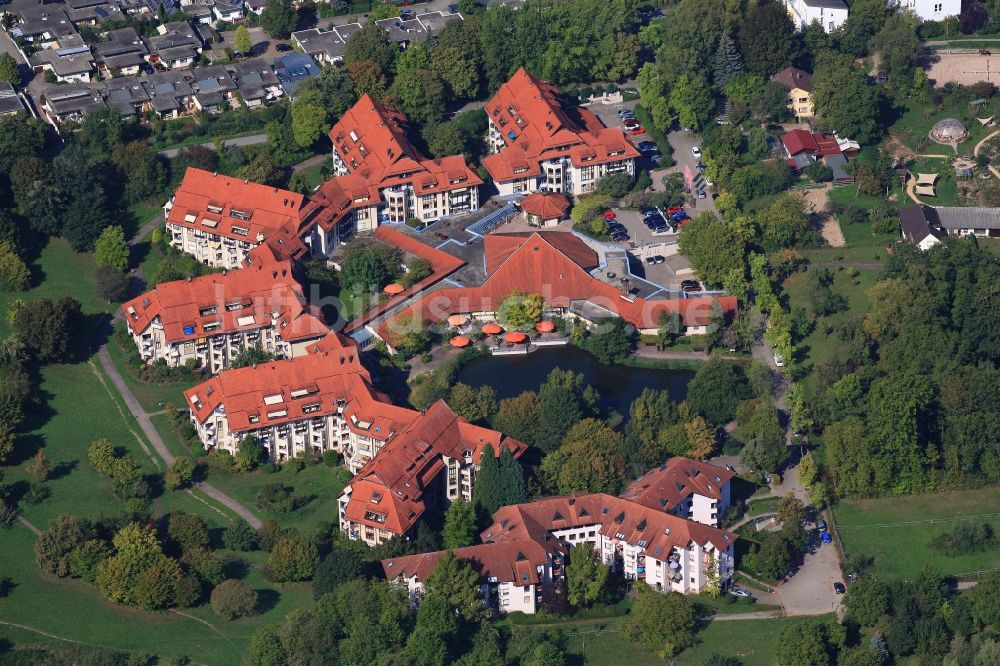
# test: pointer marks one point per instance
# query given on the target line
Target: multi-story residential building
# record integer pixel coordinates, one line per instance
(831, 14)
(800, 91)
(930, 10)
(369, 141)
(642, 543)
(536, 144)
(428, 464)
(219, 219)
(302, 405)
(685, 488)
(210, 319)
(513, 575)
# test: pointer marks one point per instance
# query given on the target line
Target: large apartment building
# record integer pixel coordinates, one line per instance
(538, 145)
(210, 319)
(219, 219)
(685, 488)
(370, 141)
(427, 465)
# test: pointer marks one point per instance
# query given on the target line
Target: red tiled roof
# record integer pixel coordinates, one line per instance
(546, 205)
(537, 266)
(508, 562)
(228, 302)
(616, 517)
(391, 486)
(799, 141)
(277, 392)
(534, 126)
(371, 140)
(670, 484)
(207, 202)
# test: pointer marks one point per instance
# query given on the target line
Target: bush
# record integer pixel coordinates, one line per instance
(331, 458)
(232, 599)
(240, 537)
(292, 560)
(965, 539)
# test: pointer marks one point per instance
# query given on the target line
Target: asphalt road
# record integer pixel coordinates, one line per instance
(170, 153)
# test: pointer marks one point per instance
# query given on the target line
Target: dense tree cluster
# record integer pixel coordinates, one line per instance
(909, 408)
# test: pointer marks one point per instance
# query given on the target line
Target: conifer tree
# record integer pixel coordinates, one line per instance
(728, 62)
(486, 491)
(512, 487)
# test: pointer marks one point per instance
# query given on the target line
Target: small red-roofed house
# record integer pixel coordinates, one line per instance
(545, 209)
(212, 318)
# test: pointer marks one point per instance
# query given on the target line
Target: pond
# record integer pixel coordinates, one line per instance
(618, 385)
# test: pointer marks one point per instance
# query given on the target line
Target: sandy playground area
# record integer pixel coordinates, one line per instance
(965, 68)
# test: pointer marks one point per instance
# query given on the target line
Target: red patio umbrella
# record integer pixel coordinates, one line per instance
(458, 320)
(515, 337)
(492, 329)
(460, 341)
(609, 215)
(394, 288)
(545, 326)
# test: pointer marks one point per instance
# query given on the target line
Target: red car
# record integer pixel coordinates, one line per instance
(609, 215)
(637, 130)
(674, 209)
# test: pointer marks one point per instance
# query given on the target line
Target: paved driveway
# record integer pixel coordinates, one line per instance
(810, 590)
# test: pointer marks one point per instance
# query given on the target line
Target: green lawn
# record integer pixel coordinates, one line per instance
(897, 532)
(152, 397)
(916, 121)
(320, 481)
(74, 611)
(315, 176)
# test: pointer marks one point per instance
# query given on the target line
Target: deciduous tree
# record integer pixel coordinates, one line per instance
(455, 582)
(662, 622)
(459, 525)
(585, 576)
(292, 560)
(232, 599)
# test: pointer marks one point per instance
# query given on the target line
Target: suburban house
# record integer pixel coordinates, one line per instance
(70, 102)
(327, 47)
(916, 228)
(642, 543)
(800, 91)
(537, 145)
(930, 10)
(177, 46)
(293, 68)
(425, 465)
(122, 54)
(218, 219)
(803, 148)
(685, 488)
(953, 221)
(215, 89)
(513, 575)
(70, 62)
(209, 320)
(43, 25)
(10, 101)
(831, 14)
(565, 271)
(370, 143)
(257, 83)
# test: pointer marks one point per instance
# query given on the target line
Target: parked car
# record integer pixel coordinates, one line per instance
(619, 236)
(701, 194)
(740, 592)
(629, 122)
(825, 537)
(282, 48)
(674, 209)
(690, 285)
(659, 258)
(650, 261)
(821, 524)
(639, 129)
(625, 113)
(608, 214)
(696, 151)
(779, 360)
(839, 588)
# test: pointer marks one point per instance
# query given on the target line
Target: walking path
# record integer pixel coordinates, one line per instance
(34, 530)
(142, 417)
(238, 141)
(755, 615)
(644, 352)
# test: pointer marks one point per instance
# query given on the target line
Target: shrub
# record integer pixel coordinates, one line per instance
(233, 599)
(292, 560)
(965, 539)
(331, 458)
(240, 537)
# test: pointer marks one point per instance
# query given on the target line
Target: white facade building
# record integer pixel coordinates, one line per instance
(930, 10)
(831, 14)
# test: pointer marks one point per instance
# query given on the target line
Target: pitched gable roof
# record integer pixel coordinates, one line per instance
(670, 484)
(508, 562)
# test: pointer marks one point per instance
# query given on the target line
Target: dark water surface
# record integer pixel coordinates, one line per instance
(618, 385)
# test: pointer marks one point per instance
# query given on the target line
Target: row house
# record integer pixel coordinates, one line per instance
(328, 46)
(536, 144)
(425, 466)
(93, 12)
(121, 54)
(43, 26)
(370, 141)
(513, 575)
(567, 274)
(219, 219)
(207, 321)
(71, 62)
(177, 45)
(215, 89)
(257, 83)
(10, 102)
(685, 488)
(665, 551)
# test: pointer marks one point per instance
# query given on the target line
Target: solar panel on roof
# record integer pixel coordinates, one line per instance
(298, 70)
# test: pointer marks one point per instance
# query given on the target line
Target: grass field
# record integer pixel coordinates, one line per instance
(898, 533)
(152, 397)
(320, 481)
